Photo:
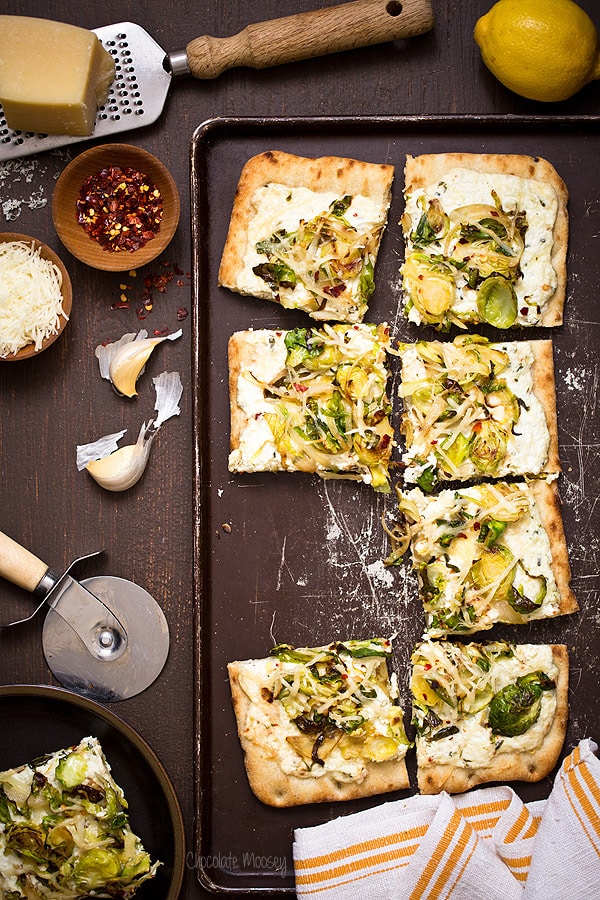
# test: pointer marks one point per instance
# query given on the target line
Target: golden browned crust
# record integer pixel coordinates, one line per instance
(532, 765)
(544, 388)
(547, 500)
(429, 168)
(235, 351)
(273, 787)
(326, 173)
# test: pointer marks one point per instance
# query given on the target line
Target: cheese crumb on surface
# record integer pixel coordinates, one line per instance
(31, 301)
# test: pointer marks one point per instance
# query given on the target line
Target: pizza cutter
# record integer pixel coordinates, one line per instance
(103, 637)
(144, 70)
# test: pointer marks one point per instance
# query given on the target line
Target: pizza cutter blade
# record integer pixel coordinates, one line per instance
(144, 70)
(105, 637)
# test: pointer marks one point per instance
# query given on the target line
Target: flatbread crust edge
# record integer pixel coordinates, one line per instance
(547, 500)
(273, 787)
(429, 168)
(325, 173)
(235, 356)
(530, 765)
(544, 388)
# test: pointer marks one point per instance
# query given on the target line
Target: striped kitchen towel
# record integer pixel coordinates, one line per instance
(483, 844)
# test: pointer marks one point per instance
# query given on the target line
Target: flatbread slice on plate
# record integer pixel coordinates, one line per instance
(485, 240)
(474, 409)
(320, 724)
(487, 712)
(311, 400)
(488, 553)
(305, 233)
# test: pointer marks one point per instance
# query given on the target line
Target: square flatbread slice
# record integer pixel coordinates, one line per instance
(306, 737)
(487, 712)
(486, 240)
(56, 809)
(475, 409)
(488, 553)
(311, 400)
(305, 233)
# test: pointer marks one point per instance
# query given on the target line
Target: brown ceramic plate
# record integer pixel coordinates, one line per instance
(66, 193)
(43, 719)
(67, 291)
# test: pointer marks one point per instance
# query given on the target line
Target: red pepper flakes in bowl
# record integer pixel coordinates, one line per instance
(125, 224)
(120, 208)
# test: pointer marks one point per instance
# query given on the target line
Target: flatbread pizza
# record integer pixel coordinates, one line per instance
(485, 240)
(305, 233)
(475, 409)
(487, 712)
(311, 400)
(488, 553)
(320, 724)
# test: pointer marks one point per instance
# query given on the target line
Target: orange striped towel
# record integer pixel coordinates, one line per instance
(483, 844)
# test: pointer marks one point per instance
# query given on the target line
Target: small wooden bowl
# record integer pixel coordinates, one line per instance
(66, 193)
(67, 292)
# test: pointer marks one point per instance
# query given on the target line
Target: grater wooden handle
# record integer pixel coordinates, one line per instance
(19, 565)
(359, 23)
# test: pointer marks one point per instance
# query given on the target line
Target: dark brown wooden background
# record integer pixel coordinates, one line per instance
(51, 404)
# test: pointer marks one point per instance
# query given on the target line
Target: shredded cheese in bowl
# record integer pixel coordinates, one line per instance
(31, 297)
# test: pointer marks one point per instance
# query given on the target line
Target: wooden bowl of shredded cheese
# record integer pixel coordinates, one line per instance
(35, 296)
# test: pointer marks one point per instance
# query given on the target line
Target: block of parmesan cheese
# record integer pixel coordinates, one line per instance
(53, 76)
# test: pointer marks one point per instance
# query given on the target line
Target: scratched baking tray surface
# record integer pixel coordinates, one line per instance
(289, 557)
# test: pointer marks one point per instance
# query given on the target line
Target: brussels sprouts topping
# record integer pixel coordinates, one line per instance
(327, 256)
(329, 693)
(497, 302)
(329, 410)
(470, 254)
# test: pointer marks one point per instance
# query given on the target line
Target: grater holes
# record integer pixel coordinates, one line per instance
(124, 97)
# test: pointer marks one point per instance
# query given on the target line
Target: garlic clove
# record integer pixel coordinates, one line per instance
(123, 468)
(123, 361)
(105, 352)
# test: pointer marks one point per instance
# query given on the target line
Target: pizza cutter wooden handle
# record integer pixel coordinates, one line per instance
(19, 565)
(359, 23)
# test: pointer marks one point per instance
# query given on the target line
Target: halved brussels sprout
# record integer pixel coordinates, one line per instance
(515, 708)
(528, 591)
(431, 290)
(495, 566)
(488, 447)
(497, 302)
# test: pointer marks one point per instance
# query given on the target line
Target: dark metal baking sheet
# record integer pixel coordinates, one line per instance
(288, 557)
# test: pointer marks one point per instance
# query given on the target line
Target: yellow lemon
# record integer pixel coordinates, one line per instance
(541, 49)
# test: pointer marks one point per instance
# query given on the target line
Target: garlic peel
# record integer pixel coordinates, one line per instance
(98, 449)
(169, 389)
